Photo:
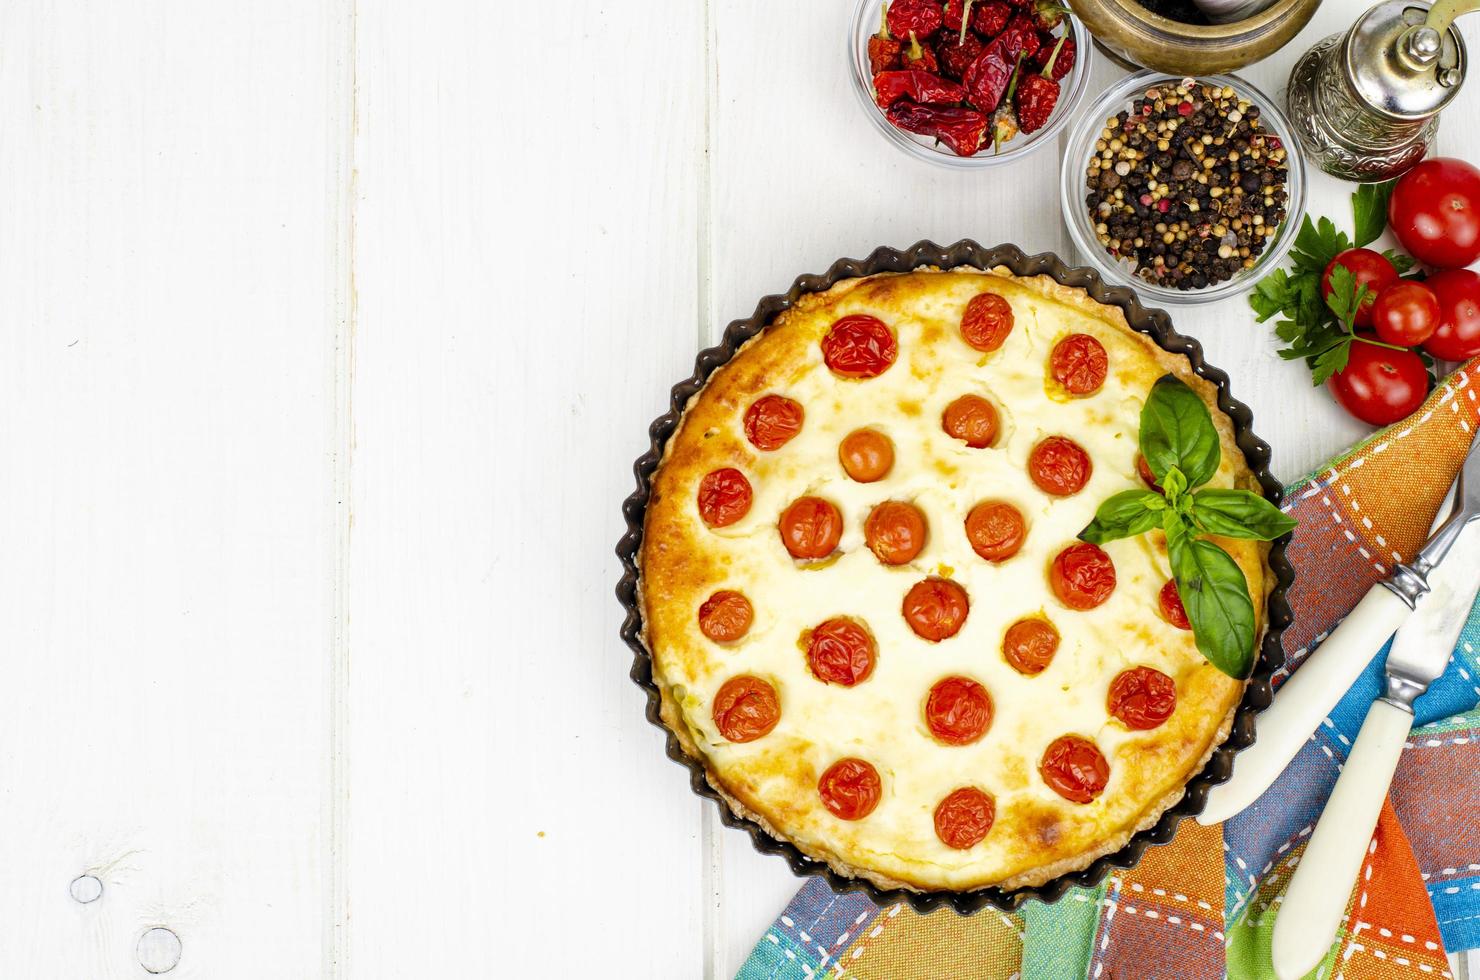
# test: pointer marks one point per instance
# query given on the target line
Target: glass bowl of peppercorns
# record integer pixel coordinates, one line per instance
(1190, 190)
(968, 83)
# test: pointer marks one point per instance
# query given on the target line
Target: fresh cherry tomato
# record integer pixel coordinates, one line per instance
(1405, 313)
(772, 421)
(963, 818)
(1143, 469)
(1142, 698)
(1368, 268)
(1059, 466)
(859, 346)
(866, 454)
(810, 527)
(850, 789)
(1029, 645)
(745, 708)
(895, 532)
(1435, 212)
(986, 322)
(724, 497)
(726, 616)
(841, 651)
(972, 419)
(1082, 575)
(935, 608)
(958, 710)
(1172, 609)
(1458, 335)
(1380, 385)
(1079, 363)
(995, 529)
(1074, 768)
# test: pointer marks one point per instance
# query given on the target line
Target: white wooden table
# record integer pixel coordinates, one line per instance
(329, 334)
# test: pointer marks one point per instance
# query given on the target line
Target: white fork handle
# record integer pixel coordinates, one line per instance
(1305, 700)
(1322, 883)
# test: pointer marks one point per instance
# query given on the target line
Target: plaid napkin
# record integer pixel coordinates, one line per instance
(1205, 904)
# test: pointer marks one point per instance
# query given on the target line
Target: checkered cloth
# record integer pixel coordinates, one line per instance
(1204, 905)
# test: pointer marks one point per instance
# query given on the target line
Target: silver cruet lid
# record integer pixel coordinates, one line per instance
(1401, 67)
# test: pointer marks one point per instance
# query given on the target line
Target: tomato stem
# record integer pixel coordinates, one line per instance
(965, 23)
(884, 20)
(1048, 67)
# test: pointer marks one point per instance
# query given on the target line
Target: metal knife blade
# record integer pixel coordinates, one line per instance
(1422, 645)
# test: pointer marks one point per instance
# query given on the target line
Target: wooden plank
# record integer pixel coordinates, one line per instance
(801, 178)
(171, 247)
(527, 284)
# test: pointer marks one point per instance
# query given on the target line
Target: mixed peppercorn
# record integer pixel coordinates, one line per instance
(970, 72)
(1187, 184)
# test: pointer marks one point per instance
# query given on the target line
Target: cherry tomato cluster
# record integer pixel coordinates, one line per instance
(1434, 211)
(970, 72)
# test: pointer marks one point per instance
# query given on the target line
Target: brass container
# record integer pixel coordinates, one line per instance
(1133, 35)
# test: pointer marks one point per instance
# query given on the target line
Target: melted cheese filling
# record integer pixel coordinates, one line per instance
(881, 720)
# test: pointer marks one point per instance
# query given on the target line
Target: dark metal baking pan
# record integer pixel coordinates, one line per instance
(1152, 322)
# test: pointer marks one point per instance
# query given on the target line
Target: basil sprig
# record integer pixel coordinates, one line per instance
(1182, 448)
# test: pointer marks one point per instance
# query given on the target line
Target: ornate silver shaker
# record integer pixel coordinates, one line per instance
(1366, 103)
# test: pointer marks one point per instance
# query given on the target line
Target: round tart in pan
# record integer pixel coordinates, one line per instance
(870, 619)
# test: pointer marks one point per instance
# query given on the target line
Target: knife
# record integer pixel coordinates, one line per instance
(1304, 700)
(1318, 892)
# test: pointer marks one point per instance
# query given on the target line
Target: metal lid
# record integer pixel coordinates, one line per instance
(1398, 66)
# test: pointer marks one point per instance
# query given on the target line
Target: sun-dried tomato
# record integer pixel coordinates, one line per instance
(923, 17)
(988, 19)
(954, 52)
(986, 78)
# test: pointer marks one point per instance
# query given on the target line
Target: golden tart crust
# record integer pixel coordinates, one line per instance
(1037, 834)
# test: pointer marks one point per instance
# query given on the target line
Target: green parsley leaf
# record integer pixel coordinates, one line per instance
(1317, 244)
(1369, 211)
(1403, 263)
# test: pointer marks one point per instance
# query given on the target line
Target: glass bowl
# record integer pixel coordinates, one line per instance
(1072, 88)
(1073, 190)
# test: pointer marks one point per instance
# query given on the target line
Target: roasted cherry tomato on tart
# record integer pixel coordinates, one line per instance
(1059, 466)
(1079, 364)
(1142, 698)
(986, 322)
(895, 532)
(841, 651)
(1029, 645)
(958, 710)
(746, 708)
(859, 346)
(1172, 610)
(867, 455)
(724, 497)
(972, 419)
(1082, 576)
(936, 608)
(965, 817)
(995, 529)
(850, 789)
(772, 421)
(726, 616)
(1074, 768)
(810, 528)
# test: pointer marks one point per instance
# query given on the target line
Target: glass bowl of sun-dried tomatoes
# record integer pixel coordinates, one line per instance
(968, 83)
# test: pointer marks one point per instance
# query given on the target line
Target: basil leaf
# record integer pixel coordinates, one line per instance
(1216, 597)
(1125, 515)
(1176, 430)
(1369, 211)
(1239, 514)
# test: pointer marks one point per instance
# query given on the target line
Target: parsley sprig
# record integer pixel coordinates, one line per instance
(1320, 330)
(1182, 448)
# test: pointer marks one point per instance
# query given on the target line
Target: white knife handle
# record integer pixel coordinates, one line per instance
(1305, 700)
(1322, 883)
